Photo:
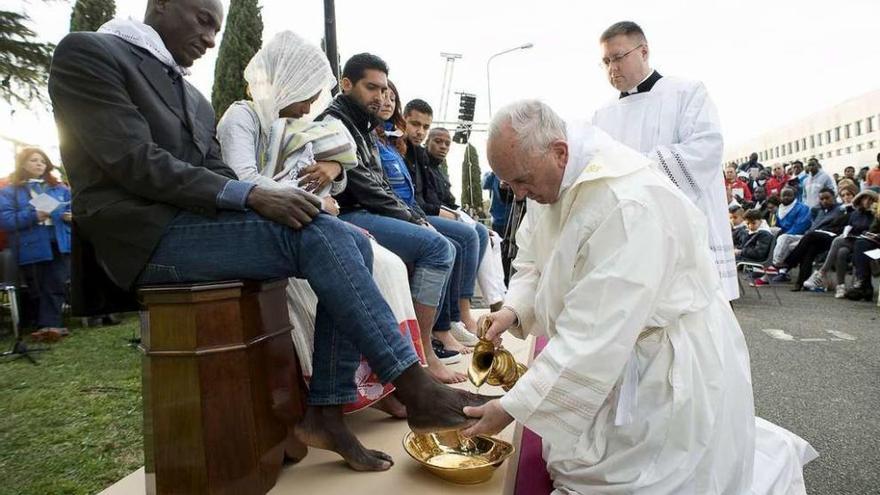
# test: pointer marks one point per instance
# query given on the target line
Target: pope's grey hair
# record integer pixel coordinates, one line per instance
(534, 124)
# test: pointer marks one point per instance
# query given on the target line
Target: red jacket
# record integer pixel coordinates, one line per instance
(775, 185)
(739, 184)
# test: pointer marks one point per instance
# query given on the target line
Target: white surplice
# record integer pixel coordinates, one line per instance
(616, 274)
(676, 126)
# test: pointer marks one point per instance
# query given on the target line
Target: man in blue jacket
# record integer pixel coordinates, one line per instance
(793, 219)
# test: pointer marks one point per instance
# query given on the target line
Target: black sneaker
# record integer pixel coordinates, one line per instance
(443, 354)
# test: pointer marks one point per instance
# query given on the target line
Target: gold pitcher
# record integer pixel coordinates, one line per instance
(491, 365)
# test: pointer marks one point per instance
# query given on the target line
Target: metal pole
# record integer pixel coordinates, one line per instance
(447, 82)
(330, 39)
(488, 83)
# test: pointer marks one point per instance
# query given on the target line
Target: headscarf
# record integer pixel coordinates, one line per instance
(288, 69)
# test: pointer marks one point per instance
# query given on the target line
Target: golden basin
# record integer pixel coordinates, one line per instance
(455, 458)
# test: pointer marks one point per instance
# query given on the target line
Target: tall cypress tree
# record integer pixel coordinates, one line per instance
(24, 61)
(471, 185)
(241, 40)
(89, 15)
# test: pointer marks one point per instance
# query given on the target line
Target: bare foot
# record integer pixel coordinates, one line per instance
(444, 410)
(392, 406)
(470, 323)
(432, 407)
(323, 427)
(451, 344)
(441, 373)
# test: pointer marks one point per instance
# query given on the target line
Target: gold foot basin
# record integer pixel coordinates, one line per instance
(455, 458)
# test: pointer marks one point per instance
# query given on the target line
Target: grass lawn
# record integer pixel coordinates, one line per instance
(71, 425)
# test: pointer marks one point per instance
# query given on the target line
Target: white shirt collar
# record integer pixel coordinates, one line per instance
(635, 89)
(143, 36)
(581, 148)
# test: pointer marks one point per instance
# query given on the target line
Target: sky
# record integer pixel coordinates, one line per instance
(766, 63)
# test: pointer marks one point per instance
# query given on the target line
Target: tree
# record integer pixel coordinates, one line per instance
(89, 15)
(471, 183)
(241, 40)
(24, 62)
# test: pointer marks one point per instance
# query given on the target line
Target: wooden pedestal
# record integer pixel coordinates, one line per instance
(222, 387)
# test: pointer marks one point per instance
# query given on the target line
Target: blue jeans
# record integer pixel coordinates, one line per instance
(428, 252)
(466, 241)
(352, 317)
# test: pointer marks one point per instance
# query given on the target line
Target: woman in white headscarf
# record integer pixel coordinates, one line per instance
(285, 78)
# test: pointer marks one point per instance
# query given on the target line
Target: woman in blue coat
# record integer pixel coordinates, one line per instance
(41, 239)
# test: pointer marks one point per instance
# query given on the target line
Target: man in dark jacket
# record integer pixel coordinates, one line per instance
(154, 200)
(455, 326)
(829, 219)
(370, 203)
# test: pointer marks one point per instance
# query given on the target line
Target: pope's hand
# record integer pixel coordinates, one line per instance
(492, 419)
(497, 323)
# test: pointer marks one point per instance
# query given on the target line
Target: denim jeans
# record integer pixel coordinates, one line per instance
(467, 245)
(352, 317)
(428, 252)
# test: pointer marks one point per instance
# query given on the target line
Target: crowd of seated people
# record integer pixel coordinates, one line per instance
(821, 224)
(363, 156)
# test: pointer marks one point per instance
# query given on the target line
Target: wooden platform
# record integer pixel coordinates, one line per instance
(324, 472)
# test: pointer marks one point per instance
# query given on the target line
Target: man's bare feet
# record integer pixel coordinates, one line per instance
(470, 323)
(441, 373)
(323, 427)
(392, 406)
(451, 344)
(431, 406)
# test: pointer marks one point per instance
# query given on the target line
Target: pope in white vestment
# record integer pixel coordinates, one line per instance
(644, 386)
(674, 123)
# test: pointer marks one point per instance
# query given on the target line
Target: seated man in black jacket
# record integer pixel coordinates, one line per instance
(829, 219)
(455, 325)
(153, 203)
(369, 202)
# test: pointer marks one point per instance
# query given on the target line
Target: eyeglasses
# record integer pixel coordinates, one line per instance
(607, 61)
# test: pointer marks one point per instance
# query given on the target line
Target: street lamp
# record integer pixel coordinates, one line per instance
(488, 83)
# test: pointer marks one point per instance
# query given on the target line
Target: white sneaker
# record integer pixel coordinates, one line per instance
(840, 292)
(462, 335)
(815, 281)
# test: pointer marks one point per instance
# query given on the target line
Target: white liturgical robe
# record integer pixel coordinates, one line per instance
(616, 274)
(676, 126)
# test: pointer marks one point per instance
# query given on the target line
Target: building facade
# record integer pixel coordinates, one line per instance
(847, 134)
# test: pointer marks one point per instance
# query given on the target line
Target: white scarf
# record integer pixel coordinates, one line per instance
(783, 210)
(143, 36)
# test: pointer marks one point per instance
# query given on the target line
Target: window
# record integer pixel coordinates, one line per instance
(838, 151)
(858, 128)
(804, 144)
(870, 144)
(777, 152)
(869, 123)
(797, 146)
(846, 130)
(859, 147)
(789, 148)
(837, 134)
(828, 136)
(812, 141)
(819, 138)
(848, 150)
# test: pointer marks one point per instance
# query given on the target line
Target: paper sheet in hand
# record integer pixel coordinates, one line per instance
(44, 202)
(874, 254)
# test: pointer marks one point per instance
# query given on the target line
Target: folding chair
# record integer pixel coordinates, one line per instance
(749, 267)
(9, 288)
